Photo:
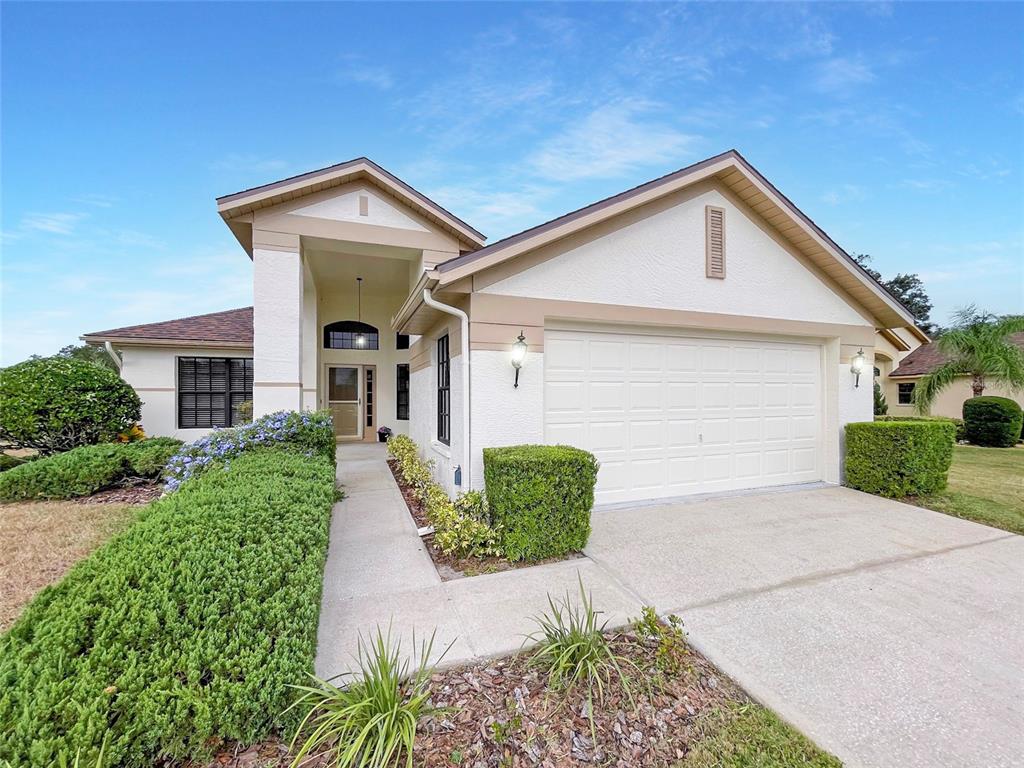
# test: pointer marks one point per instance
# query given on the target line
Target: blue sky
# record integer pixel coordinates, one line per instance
(898, 128)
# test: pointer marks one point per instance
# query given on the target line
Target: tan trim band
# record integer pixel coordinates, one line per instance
(513, 311)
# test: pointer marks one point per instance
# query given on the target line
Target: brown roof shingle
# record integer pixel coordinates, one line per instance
(927, 358)
(232, 326)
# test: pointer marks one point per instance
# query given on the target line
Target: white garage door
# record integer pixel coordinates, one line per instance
(669, 416)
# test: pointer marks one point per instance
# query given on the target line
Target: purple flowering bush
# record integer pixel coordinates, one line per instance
(307, 432)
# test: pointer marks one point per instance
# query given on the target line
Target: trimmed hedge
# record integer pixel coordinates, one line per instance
(899, 458)
(540, 498)
(86, 470)
(55, 404)
(310, 432)
(993, 421)
(961, 433)
(182, 631)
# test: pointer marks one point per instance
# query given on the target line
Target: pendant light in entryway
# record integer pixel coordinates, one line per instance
(360, 336)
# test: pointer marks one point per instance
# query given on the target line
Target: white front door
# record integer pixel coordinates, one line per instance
(669, 416)
(345, 401)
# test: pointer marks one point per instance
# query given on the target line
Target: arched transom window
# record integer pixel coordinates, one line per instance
(351, 334)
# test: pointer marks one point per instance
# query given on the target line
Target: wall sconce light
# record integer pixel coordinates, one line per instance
(856, 366)
(518, 355)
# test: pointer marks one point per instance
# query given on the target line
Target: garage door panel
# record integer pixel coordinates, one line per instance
(667, 416)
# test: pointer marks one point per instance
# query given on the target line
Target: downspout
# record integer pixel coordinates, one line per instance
(467, 456)
(113, 355)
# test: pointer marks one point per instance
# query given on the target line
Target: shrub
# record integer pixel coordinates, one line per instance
(960, 434)
(86, 470)
(540, 497)
(55, 404)
(461, 528)
(899, 458)
(993, 421)
(184, 630)
(309, 432)
(370, 723)
(10, 462)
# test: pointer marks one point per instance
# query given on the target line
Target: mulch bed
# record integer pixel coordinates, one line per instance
(141, 493)
(501, 713)
(450, 568)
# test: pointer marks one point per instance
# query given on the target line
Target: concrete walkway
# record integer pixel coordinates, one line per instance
(378, 572)
(892, 635)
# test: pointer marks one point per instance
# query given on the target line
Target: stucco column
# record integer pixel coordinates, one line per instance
(277, 322)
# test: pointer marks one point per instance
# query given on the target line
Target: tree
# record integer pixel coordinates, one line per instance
(907, 289)
(56, 403)
(881, 406)
(90, 354)
(978, 345)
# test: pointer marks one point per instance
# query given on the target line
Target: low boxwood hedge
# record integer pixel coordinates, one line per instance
(899, 458)
(540, 498)
(993, 421)
(184, 630)
(961, 434)
(86, 470)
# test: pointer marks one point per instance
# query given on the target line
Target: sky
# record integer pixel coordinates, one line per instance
(899, 128)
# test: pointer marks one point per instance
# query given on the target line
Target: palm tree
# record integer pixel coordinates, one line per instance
(978, 345)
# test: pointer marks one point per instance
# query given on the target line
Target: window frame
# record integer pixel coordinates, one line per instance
(402, 376)
(444, 391)
(911, 387)
(229, 415)
(347, 330)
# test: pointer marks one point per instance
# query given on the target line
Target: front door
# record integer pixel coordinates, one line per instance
(344, 398)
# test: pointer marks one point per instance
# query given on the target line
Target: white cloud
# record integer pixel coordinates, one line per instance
(610, 142)
(247, 162)
(842, 74)
(844, 193)
(926, 185)
(52, 223)
(366, 74)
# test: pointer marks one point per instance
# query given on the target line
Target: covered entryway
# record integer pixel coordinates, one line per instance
(671, 415)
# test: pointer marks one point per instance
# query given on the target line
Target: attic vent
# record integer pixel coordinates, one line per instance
(364, 205)
(714, 219)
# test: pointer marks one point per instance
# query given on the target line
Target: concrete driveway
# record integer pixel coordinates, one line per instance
(892, 635)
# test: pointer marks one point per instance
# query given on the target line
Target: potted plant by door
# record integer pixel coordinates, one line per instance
(383, 434)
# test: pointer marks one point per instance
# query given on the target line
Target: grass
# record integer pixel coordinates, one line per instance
(43, 539)
(986, 485)
(750, 736)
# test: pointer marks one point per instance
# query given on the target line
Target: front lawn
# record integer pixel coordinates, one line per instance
(986, 485)
(43, 539)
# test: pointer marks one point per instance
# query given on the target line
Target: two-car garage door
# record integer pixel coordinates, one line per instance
(669, 416)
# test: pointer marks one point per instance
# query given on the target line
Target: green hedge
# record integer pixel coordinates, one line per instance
(55, 404)
(899, 458)
(961, 434)
(993, 421)
(86, 470)
(184, 630)
(540, 498)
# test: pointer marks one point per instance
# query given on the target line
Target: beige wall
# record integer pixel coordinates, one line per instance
(152, 373)
(949, 403)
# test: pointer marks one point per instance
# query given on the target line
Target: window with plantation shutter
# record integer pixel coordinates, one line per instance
(714, 219)
(210, 389)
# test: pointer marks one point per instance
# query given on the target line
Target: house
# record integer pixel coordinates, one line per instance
(898, 383)
(697, 332)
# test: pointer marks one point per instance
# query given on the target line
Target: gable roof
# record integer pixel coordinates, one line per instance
(928, 357)
(230, 328)
(733, 170)
(236, 208)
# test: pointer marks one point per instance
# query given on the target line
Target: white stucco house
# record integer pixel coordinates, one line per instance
(696, 332)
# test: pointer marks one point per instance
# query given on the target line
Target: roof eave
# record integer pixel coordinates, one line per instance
(164, 342)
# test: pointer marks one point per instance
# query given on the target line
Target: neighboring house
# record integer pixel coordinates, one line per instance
(696, 332)
(899, 384)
